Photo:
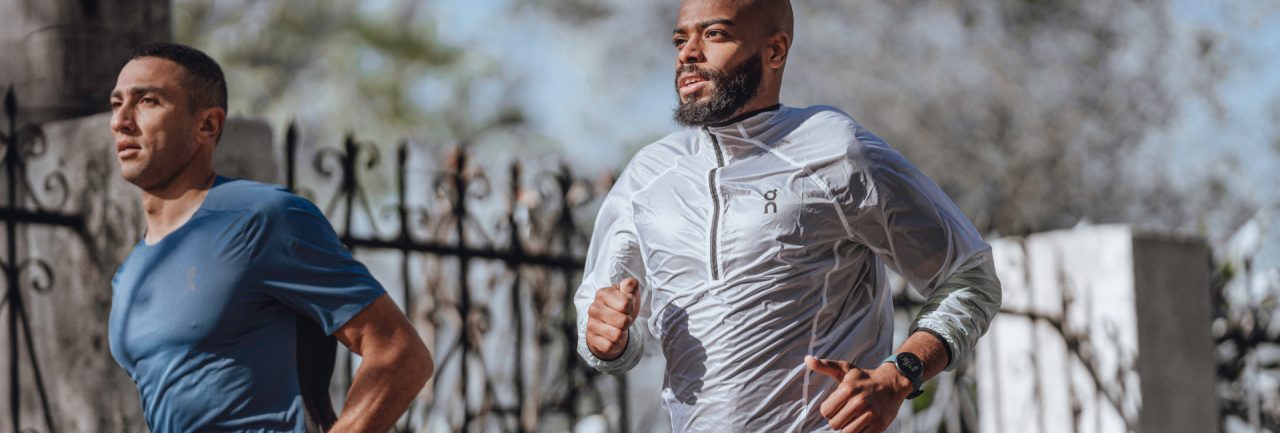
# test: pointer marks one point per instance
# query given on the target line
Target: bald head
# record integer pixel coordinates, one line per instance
(769, 17)
(772, 16)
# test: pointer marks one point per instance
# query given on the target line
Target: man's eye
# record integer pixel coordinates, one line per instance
(715, 33)
(115, 105)
(678, 42)
(150, 101)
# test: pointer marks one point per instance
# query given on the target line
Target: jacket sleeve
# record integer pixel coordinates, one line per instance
(911, 224)
(613, 255)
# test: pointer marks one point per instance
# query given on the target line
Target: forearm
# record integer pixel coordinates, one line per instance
(382, 390)
(931, 351)
(960, 309)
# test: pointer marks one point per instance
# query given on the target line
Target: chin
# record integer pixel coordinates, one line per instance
(131, 172)
(133, 180)
(697, 97)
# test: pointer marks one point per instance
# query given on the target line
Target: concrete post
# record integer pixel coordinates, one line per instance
(62, 56)
(1103, 329)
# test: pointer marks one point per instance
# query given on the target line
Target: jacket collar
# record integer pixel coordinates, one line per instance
(753, 123)
(730, 124)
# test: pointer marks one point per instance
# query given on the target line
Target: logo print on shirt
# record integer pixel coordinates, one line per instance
(770, 206)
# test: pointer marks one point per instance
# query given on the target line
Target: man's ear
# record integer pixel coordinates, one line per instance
(779, 47)
(210, 122)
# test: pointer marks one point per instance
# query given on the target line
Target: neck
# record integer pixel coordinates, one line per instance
(741, 115)
(756, 105)
(767, 99)
(168, 206)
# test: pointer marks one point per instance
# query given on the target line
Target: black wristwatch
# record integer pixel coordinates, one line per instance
(910, 366)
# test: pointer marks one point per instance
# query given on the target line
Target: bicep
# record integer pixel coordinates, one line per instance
(379, 324)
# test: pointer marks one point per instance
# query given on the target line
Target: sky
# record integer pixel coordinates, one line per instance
(1241, 133)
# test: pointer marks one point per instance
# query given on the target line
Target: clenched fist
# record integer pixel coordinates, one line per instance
(866, 401)
(613, 311)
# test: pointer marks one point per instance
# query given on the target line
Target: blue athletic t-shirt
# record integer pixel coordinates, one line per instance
(203, 320)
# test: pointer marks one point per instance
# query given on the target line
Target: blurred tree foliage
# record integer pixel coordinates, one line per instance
(1031, 114)
(1027, 112)
(374, 68)
(1246, 330)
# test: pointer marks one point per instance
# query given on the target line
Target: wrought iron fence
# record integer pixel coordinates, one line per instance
(504, 348)
(24, 208)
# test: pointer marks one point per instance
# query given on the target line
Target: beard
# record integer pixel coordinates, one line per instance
(731, 90)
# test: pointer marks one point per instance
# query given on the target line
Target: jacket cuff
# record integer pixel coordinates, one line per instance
(946, 344)
(629, 358)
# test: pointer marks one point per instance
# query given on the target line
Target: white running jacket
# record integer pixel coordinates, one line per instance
(764, 240)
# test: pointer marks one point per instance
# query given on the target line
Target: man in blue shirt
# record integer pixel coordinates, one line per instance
(203, 313)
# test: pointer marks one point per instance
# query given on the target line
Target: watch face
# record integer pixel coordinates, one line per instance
(910, 364)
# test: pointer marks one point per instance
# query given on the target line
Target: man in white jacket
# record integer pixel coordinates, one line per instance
(752, 245)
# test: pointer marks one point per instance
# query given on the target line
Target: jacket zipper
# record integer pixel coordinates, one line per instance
(715, 201)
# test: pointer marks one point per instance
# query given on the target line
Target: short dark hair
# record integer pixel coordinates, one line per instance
(205, 85)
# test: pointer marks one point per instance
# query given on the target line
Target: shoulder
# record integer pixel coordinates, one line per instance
(823, 124)
(660, 156)
(825, 139)
(834, 131)
(674, 145)
(263, 200)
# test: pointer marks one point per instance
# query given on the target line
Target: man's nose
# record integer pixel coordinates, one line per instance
(122, 120)
(691, 52)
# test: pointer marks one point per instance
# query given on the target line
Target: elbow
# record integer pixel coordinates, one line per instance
(417, 364)
(994, 291)
(407, 360)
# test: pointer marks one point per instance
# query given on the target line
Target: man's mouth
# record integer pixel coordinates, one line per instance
(691, 79)
(127, 149)
(690, 83)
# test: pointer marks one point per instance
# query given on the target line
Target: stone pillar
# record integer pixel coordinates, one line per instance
(62, 56)
(1103, 329)
(67, 289)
